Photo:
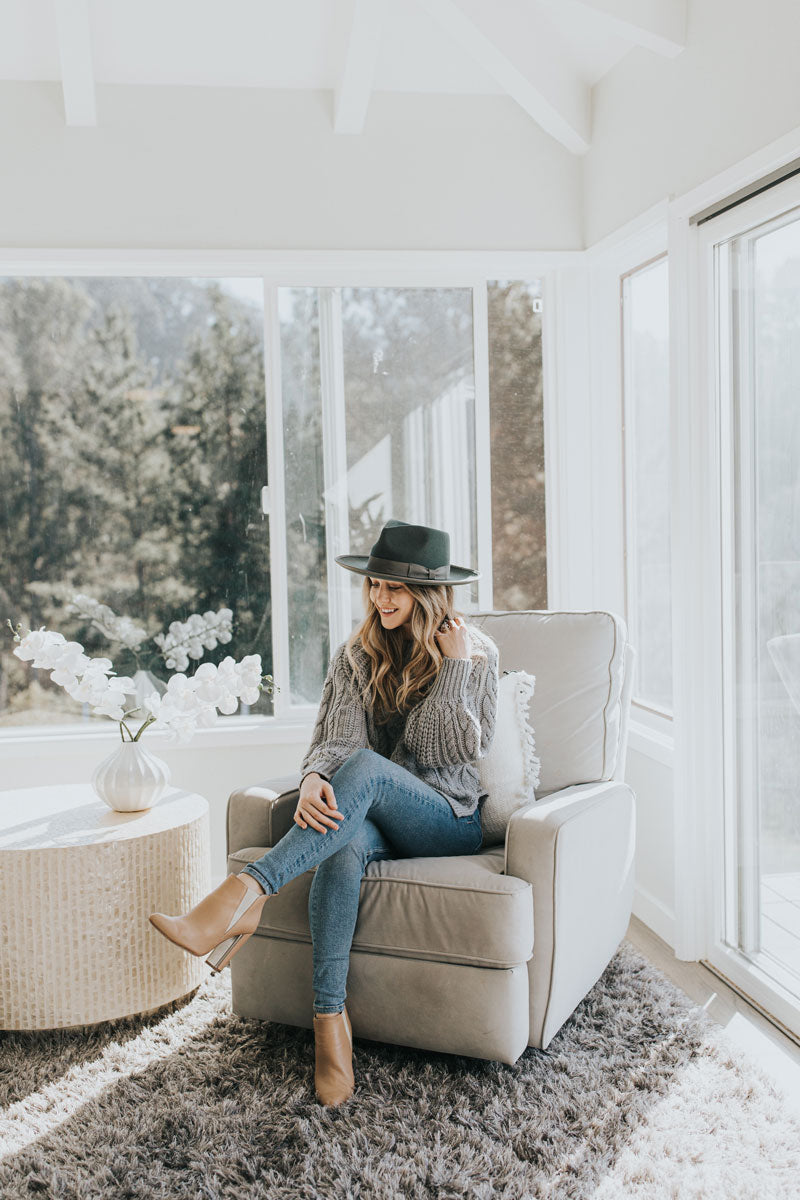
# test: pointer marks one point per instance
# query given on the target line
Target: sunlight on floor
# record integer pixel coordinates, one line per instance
(41, 1112)
(770, 1057)
(704, 1137)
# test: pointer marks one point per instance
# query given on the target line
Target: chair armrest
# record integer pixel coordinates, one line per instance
(261, 814)
(576, 849)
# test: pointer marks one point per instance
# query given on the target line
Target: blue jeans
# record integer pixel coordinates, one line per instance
(387, 813)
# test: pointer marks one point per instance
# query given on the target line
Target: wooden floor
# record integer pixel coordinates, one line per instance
(775, 1053)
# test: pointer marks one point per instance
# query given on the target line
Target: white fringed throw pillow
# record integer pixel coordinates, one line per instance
(509, 771)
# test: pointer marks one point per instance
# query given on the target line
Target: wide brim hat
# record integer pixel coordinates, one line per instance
(407, 553)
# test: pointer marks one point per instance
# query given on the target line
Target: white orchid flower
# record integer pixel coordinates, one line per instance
(188, 703)
(41, 647)
(206, 671)
(207, 717)
(109, 707)
(189, 639)
(178, 684)
(152, 703)
(125, 682)
(251, 662)
(70, 666)
(90, 689)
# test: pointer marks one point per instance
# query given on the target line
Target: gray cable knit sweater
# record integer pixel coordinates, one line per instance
(438, 740)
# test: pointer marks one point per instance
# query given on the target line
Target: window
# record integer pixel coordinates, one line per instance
(304, 486)
(519, 547)
(133, 450)
(134, 419)
(646, 425)
(759, 298)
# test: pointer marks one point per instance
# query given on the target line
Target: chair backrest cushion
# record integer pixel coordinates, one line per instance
(578, 658)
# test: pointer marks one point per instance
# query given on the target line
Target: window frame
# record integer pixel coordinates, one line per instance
(640, 242)
(334, 270)
(628, 423)
(696, 579)
(704, 917)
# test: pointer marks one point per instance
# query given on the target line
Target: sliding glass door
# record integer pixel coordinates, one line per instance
(752, 261)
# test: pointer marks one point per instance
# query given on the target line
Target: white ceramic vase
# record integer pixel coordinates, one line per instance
(131, 778)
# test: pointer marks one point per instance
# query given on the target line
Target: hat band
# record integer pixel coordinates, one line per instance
(390, 566)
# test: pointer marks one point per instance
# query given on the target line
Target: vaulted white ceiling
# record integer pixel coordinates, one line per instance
(545, 54)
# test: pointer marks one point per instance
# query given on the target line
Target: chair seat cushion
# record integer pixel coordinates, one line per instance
(459, 909)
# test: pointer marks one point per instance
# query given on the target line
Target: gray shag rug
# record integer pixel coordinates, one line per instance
(639, 1095)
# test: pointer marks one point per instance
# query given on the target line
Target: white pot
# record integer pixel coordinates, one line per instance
(131, 778)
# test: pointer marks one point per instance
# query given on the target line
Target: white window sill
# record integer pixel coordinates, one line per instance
(654, 743)
(22, 742)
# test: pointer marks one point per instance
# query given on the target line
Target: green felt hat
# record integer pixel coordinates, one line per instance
(407, 553)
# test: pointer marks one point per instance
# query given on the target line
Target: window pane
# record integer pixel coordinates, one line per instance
(772, 577)
(133, 435)
(410, 417)
(647, 480)
(519, 547)
(379, 421)
(309, 635)
(763, 509)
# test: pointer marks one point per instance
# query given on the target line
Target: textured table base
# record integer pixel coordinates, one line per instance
(77, 945)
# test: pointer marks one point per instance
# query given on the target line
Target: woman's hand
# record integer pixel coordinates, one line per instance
(454, 641)
(317, 804)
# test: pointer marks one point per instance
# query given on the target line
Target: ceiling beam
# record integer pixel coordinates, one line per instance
(364, 20)
(526, 58)
(658, 25)
(75, 52)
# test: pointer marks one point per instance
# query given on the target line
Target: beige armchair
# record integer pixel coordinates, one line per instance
(488, 953)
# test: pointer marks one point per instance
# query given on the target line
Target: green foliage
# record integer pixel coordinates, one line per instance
(517, 436)
(103, 489)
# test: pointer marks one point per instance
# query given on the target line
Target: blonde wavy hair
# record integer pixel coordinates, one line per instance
(392, 687)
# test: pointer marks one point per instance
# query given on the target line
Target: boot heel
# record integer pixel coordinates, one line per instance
(222, 954)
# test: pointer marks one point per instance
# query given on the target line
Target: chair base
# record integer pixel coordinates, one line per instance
(480, 1012)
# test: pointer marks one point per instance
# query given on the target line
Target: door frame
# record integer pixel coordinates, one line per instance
(702, 574)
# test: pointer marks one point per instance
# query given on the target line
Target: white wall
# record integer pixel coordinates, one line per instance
(236, 168)
(654, 898)
(662, 126)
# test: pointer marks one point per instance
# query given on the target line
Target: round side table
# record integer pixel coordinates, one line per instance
(78, 882)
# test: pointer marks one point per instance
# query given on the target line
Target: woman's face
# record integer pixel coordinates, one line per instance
(386, 594)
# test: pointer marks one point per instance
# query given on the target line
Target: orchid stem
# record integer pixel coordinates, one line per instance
(149, 721)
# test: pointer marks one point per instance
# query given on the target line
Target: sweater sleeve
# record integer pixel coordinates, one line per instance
(456, 720)
(341, 724)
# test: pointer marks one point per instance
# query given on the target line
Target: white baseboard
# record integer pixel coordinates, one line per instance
(654, 914)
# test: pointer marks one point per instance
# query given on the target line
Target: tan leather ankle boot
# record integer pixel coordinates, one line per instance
(221, 923)
(333, 1057)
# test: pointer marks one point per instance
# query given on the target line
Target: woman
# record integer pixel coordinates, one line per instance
(408, 706)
